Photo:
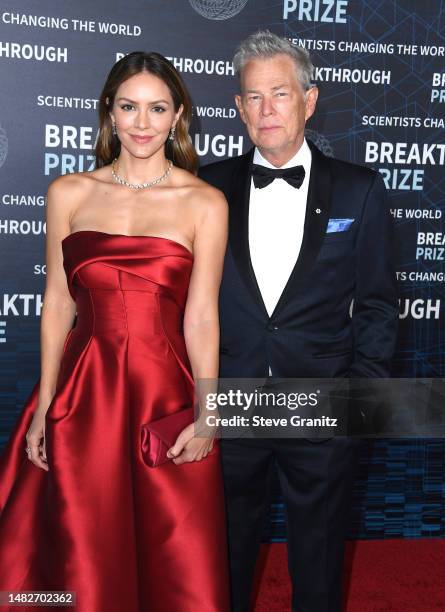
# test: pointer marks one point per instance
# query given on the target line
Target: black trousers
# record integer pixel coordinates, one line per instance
(316, 479)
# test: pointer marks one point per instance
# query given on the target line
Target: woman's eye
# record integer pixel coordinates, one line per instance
(159, 109)
(127, 106)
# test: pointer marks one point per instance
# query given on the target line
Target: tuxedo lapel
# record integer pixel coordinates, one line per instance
(239, 227)
(316, 219)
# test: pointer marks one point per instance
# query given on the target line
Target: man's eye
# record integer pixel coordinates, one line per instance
(281, 94)
(253, 98)
(126, 107)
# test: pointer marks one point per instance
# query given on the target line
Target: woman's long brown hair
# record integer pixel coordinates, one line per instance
(180, 150)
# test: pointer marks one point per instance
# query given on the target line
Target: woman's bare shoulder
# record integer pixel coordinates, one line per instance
(71, 183)
(75, 186)
(199, 193)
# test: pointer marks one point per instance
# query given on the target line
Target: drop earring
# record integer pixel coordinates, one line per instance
(114, 129)
(172, 133)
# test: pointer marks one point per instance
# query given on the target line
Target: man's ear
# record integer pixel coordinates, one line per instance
(239, 105)
(310, 101)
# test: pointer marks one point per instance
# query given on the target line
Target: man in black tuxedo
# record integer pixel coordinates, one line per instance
(308, 236)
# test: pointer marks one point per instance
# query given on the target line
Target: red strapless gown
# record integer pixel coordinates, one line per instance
(124, 536)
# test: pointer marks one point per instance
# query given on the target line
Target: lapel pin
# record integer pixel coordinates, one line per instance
(318, 211)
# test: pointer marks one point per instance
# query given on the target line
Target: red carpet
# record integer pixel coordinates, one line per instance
(380, 576)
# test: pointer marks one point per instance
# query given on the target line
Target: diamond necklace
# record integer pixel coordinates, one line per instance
(122, 181)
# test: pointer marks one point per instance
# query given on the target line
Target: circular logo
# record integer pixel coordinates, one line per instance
(320, 141)
(3, 146)
(218, 9)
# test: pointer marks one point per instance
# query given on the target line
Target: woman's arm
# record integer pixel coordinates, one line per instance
(58, 311)
(201, 317)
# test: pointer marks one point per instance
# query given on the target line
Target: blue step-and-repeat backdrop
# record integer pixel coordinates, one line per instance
(380, 68)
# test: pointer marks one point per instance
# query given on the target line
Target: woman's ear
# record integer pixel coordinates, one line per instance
(178, 114)
(107, 102)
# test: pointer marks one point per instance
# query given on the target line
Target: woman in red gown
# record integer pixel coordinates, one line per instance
(136, 248)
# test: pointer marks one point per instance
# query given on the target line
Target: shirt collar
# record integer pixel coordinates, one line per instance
(302, 157)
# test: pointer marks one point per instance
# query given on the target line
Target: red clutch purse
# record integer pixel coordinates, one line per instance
(160, 435)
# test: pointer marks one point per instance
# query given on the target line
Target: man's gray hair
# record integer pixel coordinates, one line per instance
(264, 44)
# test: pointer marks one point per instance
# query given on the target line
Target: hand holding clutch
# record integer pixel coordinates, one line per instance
(160, 435)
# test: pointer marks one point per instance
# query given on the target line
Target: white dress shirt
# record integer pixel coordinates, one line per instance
(276, 222)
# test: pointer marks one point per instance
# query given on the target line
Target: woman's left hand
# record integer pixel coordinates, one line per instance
(188, 448)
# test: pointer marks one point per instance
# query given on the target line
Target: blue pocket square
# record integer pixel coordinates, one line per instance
(339, 225)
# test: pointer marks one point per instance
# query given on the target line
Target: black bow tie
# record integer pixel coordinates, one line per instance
(263, 176)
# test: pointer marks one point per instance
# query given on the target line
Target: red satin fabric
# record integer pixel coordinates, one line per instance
(100, 522)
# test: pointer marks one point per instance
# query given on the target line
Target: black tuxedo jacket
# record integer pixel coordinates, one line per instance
(311, 333)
